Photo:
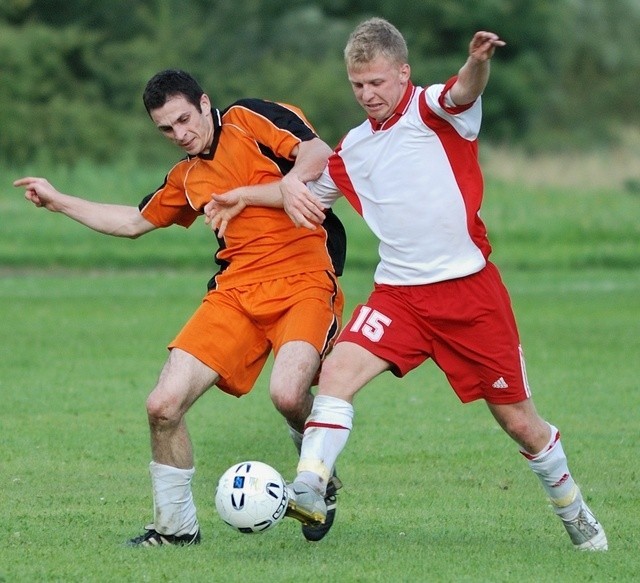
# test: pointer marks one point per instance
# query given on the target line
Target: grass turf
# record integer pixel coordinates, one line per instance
(433, 490)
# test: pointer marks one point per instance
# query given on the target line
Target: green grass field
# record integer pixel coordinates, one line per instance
(433, 490)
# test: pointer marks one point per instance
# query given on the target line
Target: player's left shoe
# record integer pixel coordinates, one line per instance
(586, 532)
(317, 532)
(152, 538)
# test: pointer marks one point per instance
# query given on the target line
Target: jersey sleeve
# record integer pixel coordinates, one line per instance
(277, 126)
(169, 204)
(466, 119)
(325, 189)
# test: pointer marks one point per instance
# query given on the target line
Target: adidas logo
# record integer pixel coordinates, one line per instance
(500, 384)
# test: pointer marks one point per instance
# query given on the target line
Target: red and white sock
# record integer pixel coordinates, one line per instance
(550, 465)
(325, 435)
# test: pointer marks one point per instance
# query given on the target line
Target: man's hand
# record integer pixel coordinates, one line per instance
(483, 45)
(222, 208)
(303, 208)
(474, 74)
(111, 219)
(40, 192)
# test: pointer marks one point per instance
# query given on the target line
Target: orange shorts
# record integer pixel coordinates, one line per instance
(234, 330)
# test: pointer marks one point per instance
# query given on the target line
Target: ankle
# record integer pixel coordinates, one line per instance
(312, 480)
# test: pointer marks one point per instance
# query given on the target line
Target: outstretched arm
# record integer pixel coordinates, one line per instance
(110, 219)
(474, 74)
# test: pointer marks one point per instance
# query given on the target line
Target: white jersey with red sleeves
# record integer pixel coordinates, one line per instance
(416, 181)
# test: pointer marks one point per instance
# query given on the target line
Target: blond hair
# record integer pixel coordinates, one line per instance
(373, 38)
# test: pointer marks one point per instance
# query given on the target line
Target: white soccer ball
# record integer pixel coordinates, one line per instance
(251, 497)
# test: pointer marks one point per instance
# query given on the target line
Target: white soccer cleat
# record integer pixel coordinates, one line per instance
(316, 532)
(305, 504)
(586, 532)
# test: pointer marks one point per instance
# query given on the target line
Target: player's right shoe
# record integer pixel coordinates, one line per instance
(305, 504)
(152, 538)
(317, 532)
(586, 532)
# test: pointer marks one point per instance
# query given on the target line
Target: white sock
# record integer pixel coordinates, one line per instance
(173, 509)
(325, 434)
(550, 465)
(296, 436)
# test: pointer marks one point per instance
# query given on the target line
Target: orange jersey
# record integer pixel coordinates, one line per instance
(252, 144)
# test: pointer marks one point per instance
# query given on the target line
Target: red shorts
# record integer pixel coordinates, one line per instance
(234, 330)
(465, 325)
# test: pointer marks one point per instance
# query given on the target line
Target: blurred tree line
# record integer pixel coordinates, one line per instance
(72, 71)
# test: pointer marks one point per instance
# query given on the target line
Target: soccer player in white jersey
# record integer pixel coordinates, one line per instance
(411, 170)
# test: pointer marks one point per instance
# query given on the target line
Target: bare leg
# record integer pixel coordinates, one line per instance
(541, 446)
(182, 381)
(523, 424)
(294, 369)
(348, 368)
(345, 371)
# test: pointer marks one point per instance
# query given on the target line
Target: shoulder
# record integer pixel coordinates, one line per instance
(260, 115)
(356, 134)
(180, 168)
(250, 103)
(262, 107)
(438, 98)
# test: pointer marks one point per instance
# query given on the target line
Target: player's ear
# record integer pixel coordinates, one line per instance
(405, 72)
(205, 103)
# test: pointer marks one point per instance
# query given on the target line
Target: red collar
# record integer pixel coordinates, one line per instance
(399, 111)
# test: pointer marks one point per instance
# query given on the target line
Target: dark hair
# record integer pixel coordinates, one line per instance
(170, 83)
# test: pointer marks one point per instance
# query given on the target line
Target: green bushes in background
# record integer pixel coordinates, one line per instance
(71, 73)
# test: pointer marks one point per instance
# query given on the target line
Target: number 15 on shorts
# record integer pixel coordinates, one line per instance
(370, 323)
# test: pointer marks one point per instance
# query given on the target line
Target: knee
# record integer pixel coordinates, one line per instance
(518, 427)
(339, 381)
(290, 402)
(162, 410)
(530, 433)
(523, 424)
(331, 373)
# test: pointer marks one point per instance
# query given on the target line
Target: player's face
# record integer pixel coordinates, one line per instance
(182, 123)
(379, 86)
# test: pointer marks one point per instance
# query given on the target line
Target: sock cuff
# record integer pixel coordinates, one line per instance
(330, 412)
(170, 474)
(553, 440)
(333, 402)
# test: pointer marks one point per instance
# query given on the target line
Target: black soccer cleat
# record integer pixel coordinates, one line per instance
(317, 532)
(152, 538)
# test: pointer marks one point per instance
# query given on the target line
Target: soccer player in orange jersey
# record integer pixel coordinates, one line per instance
(276, 287)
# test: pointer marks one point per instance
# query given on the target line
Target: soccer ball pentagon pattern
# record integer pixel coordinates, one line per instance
(251, 497)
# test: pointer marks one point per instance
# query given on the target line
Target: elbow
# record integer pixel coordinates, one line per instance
(317, 170)
(327, 150)
(122, 234)
(461, 95)
(127, 232)
(316, 156)
(311, 176)
(135, 228)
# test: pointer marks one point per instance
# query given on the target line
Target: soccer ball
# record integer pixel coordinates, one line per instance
(251, 497)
